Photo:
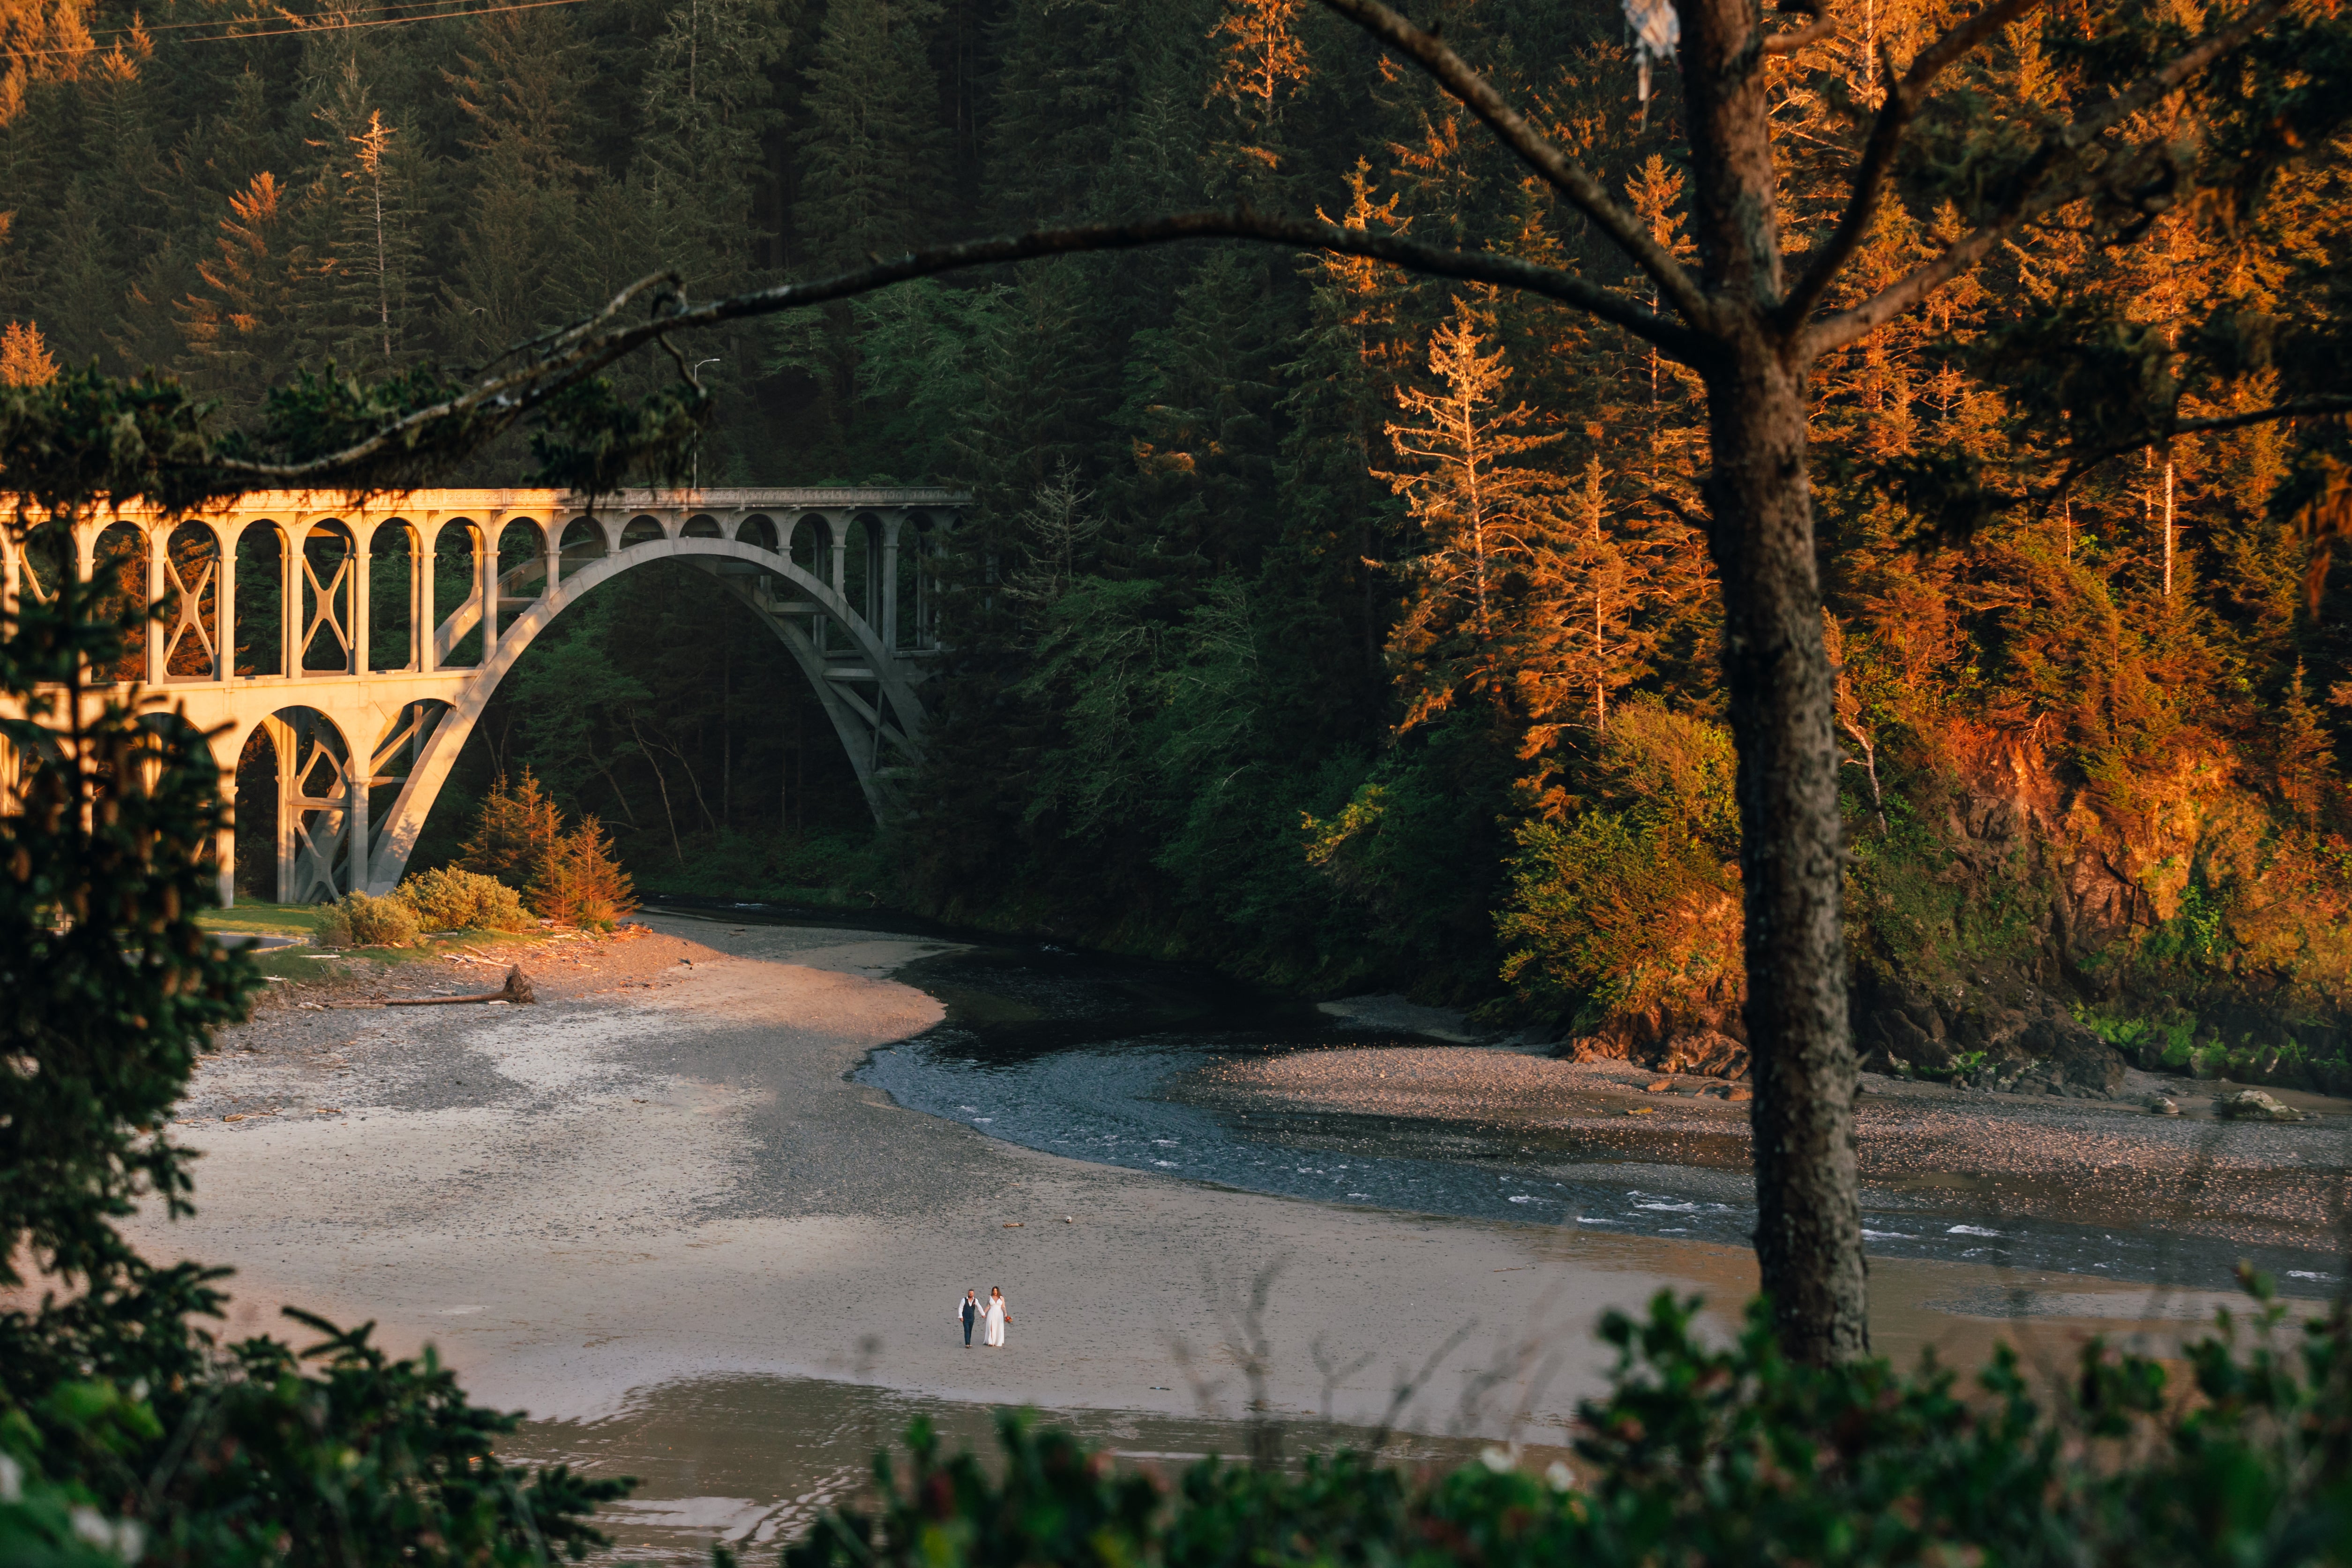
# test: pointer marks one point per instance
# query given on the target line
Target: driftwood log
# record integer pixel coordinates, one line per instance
(517, 989)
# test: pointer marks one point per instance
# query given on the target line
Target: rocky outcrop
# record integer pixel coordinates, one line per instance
(1699, 1052)
(2002, 1026)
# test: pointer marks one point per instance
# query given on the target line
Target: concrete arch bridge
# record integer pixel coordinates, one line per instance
(361, 641)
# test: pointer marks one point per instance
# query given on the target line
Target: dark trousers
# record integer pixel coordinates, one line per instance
(969, 1319)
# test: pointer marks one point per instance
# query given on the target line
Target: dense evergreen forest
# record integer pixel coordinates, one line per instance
(1349, 630)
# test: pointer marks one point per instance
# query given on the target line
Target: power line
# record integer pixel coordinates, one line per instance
(322, 28)
(280, 14)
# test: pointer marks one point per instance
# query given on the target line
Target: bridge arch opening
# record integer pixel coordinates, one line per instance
(193, 587)
(395, 595)
(328, 640)
(702, 525)
(45, 560)
(459, 556)
(860, 577)
(579, 546)
(263, 554)
(296, 812)
(642, 529)
(522, 570)
(811, 546)
(118, 578)
(757, 529)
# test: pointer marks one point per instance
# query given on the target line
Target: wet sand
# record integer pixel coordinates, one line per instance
(658, 1180)
(659, 1172)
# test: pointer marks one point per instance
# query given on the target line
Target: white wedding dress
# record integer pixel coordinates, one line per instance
(994, 1322)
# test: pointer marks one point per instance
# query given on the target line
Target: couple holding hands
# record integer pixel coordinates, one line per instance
(989, 1315)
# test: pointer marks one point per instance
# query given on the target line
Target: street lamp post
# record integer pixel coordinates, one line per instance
(697, 475)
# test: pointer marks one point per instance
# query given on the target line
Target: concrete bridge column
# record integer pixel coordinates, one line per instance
(486, 579)
(225, 650)
(290, 608)
(281, 741)
(224, 838)
(363, 541)
(890, 582)
(156, 544)
(359, 733)
(84, 566)
(420, 601)
(428, 624)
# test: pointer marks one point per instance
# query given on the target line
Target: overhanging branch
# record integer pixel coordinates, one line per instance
(580, 352)
(1533, 149)
(2032, 191)
(1903, 98)
(2302, 408)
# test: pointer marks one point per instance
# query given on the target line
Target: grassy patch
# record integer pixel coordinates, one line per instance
(270, 920)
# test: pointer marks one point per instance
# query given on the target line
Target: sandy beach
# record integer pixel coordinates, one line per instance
(659, 1172)
(659, 1178)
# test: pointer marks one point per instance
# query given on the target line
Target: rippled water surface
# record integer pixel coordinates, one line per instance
(1093, 1059)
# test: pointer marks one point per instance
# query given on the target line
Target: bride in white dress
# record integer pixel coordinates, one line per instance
(996, 1318)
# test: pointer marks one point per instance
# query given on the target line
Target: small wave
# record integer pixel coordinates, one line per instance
(1970, 1230)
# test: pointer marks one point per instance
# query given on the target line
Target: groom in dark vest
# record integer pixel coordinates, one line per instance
(970, 1313)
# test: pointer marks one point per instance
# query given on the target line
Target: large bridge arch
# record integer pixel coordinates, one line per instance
(525, 556)
(869, 730)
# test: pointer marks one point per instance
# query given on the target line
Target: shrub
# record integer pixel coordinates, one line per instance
(359, 919)
(452, 899)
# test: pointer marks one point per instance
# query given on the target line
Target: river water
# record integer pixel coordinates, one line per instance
(1094, 1059)
(1091, 1058)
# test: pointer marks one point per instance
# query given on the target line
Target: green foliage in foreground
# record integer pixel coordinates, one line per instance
(1721, 1455)
(128, 1430)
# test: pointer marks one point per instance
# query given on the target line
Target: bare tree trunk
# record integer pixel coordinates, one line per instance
(1783, 708)
(1809, 1213)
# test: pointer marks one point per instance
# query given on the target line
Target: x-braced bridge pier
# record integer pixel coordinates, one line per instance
(289, 618)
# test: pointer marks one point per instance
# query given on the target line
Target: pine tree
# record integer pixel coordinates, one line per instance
(1260, 65)
(1594, 639)
(24, 359)
(1351, 355)
(1063, 78)
(1489, 527)
(517, 86)
(1202, 399)
(517, 829)
(707, 104)
(40, 40)
(873, 148)
(576, 881)
(373, 258)
(244, 328)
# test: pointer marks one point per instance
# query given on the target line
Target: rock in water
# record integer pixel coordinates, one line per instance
(2253, 1105)
(2159, 1105)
